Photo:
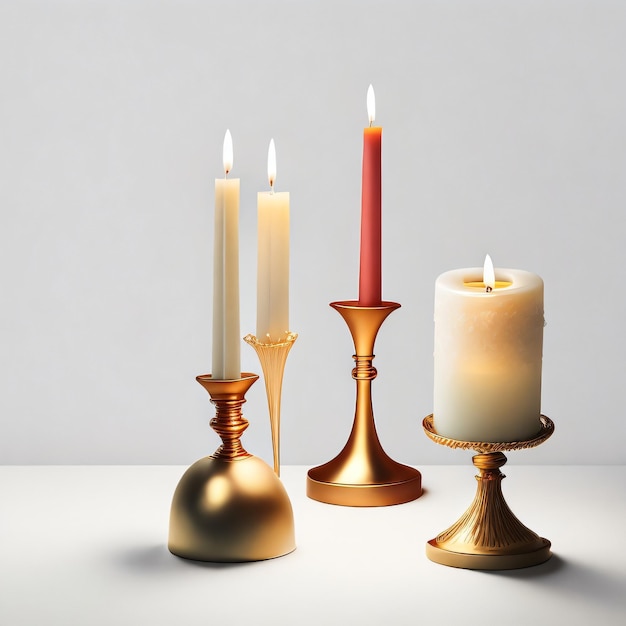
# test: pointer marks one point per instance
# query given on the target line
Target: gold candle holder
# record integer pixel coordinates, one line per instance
(488, 536)
(273, 357)
(230, 506)
(362, 474)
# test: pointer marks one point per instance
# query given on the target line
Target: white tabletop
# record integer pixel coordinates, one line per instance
(87, 546)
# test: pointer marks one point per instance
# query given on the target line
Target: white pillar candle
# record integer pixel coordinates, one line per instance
(226, 331)
(273, 260)
(488, 351)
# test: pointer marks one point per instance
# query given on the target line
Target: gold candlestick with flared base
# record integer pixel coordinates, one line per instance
(362, 474)
(230, 506)
(273, 357)
(488, 536)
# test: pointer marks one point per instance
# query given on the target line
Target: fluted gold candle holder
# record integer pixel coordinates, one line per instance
(362, 474)
(273, 357)
(230, 506)
(488, 536)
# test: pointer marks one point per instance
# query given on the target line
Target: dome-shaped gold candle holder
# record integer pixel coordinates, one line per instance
(273, 357)
(488, 536)
(362, 474)
(230, 506)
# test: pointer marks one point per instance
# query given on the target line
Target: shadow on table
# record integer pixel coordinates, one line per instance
(157, 558)
(571, 577)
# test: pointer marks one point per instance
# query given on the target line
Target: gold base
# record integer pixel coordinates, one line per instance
(488, 535)
(230, 507)
(362, 474)
(231, 511)
(487, 561)
(365, 494)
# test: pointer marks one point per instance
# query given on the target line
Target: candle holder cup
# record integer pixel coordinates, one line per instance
(488, 536)
(273, 357)
(230, 506)
(362, 474)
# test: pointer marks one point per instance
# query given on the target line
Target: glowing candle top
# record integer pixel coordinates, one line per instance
(489, 276)
(271, 164)
(227, 152)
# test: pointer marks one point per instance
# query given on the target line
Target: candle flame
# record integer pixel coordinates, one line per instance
(371, 104)
(271, 164)
(227, 153)
(489, 276)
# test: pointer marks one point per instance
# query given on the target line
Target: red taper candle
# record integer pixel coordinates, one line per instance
(370, 275)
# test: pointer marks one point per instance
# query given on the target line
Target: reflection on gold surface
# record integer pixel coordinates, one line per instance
(217, 493)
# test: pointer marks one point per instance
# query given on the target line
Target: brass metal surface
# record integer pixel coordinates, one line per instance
(362, 474)
(488, 535)
(273, 357)
(230, 506)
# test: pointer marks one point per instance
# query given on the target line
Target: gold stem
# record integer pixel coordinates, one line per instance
(228, 396)
(273, 357)
(489, 526)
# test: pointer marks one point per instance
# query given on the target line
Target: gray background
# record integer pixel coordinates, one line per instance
(503, 132)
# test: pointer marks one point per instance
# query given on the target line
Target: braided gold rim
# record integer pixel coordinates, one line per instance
(547, 428)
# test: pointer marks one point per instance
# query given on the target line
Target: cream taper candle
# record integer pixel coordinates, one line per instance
(226, 326)
(273, 260)
(488, 352)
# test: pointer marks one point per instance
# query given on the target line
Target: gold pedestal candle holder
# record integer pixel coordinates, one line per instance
(273, 357)
(230, 506)
(488, 536)
(362, 474)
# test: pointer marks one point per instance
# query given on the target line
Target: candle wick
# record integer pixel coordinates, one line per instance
(489, 289)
